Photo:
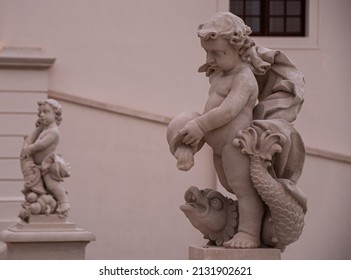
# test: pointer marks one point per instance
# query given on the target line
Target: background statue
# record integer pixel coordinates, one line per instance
(254, 96)
(42, 168)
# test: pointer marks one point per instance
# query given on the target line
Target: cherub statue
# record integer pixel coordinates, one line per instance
(42, 168)
(254, 95)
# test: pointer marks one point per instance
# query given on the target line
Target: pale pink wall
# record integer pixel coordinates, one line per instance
(326, 234)
(324, 120)
(142, 54)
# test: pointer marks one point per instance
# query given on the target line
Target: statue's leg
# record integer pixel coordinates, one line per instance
(236, 167)
(57, 189)
(217, 161)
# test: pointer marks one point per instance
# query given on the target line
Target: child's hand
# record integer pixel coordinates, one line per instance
(39, 125)
(192, 133)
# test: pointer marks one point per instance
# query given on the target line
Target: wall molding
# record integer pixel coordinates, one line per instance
(24, 58)
(11, 180)
(328, 155)
(109, 107)
(11, 199)
(147, 116)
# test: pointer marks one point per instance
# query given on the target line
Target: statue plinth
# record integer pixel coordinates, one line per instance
(221, 253)
(46, 238)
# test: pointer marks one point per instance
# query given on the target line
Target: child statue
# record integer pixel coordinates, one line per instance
(42, 168)
(250, 88)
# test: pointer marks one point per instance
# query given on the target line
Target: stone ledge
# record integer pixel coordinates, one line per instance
(41, 228)
(24, 58)
(221, 253)
(45, 237)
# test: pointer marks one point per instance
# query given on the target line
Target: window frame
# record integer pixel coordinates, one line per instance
(309, 42)
(265, 17)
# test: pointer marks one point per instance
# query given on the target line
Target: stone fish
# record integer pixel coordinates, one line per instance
(213, 214)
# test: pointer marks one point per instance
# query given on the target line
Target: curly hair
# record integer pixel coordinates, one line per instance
(233, 28)
(55, 106)
(228, 26)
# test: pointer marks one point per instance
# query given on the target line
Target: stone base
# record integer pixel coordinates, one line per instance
(221, 253)
(3, 251)
(46, 238)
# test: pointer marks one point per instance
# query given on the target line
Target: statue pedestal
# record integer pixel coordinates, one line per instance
(3, 249)
(46, 238)
(221, 253)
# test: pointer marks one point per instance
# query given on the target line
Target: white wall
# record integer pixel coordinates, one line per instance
(144, 55)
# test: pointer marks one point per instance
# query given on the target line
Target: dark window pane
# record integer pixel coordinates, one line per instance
(276, 8)
(253, 8)
(272, 17)
(293, 8)
(276, 24)
(293, 24)
(237, 7)
(254, 23)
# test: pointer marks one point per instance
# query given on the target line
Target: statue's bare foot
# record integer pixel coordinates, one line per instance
(242, 240)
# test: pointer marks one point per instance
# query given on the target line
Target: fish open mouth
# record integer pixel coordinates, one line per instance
(190, 198)
(195, 199)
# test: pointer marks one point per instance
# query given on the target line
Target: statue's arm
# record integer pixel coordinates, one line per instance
(231, 106)
(44, 142)
(30, 139)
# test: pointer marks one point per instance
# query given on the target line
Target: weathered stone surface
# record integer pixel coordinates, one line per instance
(254, 97)
(221, 253)
(46, 237)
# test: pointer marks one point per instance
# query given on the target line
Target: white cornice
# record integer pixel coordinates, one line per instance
(24, 58)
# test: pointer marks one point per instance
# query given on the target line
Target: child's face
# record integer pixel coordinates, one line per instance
(220, 54)
(46, 114)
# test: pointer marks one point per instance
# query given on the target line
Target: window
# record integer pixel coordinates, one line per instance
(272, 17)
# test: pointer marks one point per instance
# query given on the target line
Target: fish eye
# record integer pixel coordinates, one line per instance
(216, 203)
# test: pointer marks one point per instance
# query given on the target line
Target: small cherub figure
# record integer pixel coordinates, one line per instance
(229, 108)
(41, 146)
